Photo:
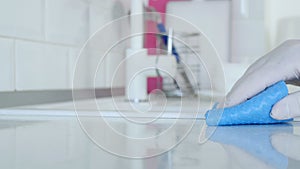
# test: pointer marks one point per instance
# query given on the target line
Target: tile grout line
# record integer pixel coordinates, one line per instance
(44, 19)
(37, 41)
(14, 65)
(69, 67)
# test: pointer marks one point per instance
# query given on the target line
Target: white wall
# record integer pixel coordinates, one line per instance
(40, 41)
(282, 21)
(108, 23)
(253, 34)
(7, 67)
(212, 18)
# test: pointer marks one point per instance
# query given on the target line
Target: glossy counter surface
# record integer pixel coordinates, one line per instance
(61, 143)
(33, 141)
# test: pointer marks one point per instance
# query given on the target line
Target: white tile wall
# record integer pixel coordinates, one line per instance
(41, 66)
(275, 11)
(99, 14)
(110, 28)
(97, 68)
(66, 21)
(214, 25)
(40, 41)
(97, 62)
(30, 18)
(8, 17)
(78, 68)
(6, 65)
(115, 70)
(23, 19)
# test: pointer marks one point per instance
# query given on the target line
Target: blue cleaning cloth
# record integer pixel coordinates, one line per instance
(255, 140)
(254, 111)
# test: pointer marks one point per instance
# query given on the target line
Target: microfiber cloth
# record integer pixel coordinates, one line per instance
(255, 140)
(253, 111)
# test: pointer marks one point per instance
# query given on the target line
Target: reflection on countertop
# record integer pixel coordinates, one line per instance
(158, 106)
(70, 142)
(254, 141)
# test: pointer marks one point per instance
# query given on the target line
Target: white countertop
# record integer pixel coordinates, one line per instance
(53, 136)
(190, 107)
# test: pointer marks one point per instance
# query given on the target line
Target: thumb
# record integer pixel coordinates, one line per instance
(288, 107)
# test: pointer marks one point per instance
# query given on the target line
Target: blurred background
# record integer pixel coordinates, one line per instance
(40, 40)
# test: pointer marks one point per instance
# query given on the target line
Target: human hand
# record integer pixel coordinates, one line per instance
(282, 63)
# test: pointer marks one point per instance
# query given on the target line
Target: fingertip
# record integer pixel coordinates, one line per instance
(235, 98)
(276, 116)
(280, 111)
(229, 103)
(242, 91)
